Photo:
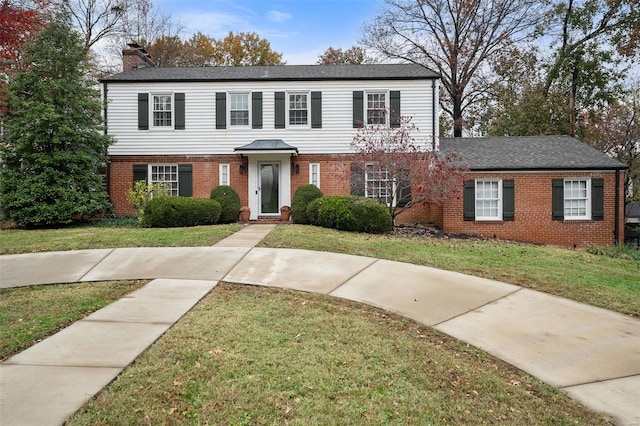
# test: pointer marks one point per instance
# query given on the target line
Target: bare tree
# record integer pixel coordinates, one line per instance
(354, 55)
(453, 37)
(96, 19)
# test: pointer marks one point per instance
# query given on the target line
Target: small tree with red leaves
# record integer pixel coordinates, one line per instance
(392, 165)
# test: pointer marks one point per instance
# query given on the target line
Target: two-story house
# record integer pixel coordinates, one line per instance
(266, 130)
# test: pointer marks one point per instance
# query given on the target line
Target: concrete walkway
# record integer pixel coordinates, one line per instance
(590, 353)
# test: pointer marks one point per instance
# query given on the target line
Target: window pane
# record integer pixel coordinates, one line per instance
(162, 110)
(298, 111)
(167, 175)
(239, 109)
(376, 108)
(576, 198)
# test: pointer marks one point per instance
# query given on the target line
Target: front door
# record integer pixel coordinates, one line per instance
(269, 187)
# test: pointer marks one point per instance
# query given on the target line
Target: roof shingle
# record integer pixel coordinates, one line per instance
(528, 153)
(278, 73)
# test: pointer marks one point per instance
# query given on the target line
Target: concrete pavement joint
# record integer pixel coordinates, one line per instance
(97, 264)
(477, 308)
(355, 274)
(610, 379)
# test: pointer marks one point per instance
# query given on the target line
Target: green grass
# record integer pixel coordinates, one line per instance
(29, 314)
(110, 234)
(259, 356)
(612, 283)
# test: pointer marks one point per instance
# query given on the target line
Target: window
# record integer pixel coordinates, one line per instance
(166, 174)
(376, 108)
(224, 174)
(239, 109)
(488, 200)
(576, 199)
(162, 111)
(377, 184)
(314, 174)
(298, 109)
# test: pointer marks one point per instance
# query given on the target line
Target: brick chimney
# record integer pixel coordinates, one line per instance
(136, 57)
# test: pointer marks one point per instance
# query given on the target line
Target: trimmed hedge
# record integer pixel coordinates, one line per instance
(230, 202)
(350, 213)
(304, 195)
(170, 212)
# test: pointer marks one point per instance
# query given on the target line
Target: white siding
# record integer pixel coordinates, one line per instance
(201, 136)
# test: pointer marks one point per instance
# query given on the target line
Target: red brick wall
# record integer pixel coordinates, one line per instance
(533, 221)
(206, 175)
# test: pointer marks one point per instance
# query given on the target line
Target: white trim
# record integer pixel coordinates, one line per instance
(238, 126)
(317, 173)
(587, 199)
(491, 200)
(152, 125)
(386, 106)
(222, 180)
(150, 167)
(287, 109)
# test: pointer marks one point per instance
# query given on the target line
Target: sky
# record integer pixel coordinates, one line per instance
(299, 29)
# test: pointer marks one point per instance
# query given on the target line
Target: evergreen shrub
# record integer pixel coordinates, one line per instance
(304, 195)
(230, 202)
(170, 212)
(350, 213)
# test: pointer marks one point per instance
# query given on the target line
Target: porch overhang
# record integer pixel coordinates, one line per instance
(267, 146)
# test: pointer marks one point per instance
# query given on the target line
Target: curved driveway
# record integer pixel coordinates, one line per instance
(590, 353)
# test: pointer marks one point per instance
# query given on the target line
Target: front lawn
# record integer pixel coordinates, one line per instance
(258, 356)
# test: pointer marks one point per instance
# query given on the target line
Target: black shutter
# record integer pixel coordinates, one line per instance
(143, 111)
(280, 110)
(404, 193)
(358, 109)
(557, 199)
(139, 172)
(597, 199)
(508, 200)
(394, 103)
(178, 99)
(221, 110)
(316, 110)
(357, 179)
(185, 182)
(256, 110)
(469, 200)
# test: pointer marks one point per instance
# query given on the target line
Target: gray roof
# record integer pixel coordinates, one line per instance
(266, 145)
(278, 73)
(529, 153)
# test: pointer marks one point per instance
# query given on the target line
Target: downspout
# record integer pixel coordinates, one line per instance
(433, 114)
(616, 227)
(104, 105)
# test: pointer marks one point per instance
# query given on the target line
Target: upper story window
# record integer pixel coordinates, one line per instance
(488, 200)
(165, 174)
(376, 108)
(577, 199)
(162, 111)
(239, 109)
(298, 109)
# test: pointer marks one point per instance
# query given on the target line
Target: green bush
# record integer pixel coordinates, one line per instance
(301, 199)
(350, 213)
(170, 212)
(230, 202)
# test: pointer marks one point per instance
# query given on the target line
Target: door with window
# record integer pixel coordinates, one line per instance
(269, 187)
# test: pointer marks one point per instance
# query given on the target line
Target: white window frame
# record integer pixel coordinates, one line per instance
(308, 109)
(230, 103)
(175, 185)
(152, 111)
(490, 199)
(571, 198)
(314, 174)
(374, 193)
(225, 177)
(384, 109)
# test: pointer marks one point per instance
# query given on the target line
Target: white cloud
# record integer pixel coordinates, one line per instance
(278, 17)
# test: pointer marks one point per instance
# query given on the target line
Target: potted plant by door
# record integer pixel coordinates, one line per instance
(245, 213)
(285, 213)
